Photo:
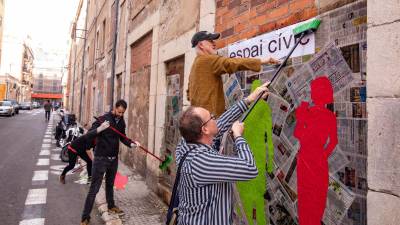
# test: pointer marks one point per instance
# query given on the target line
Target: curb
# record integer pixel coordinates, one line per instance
(101, 204)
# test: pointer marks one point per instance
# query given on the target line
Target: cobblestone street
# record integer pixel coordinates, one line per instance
(141, 206)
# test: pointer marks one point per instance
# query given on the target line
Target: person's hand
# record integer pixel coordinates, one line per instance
(103, 126)
(270, 61)
(263, 88)
(237, 129)
(135, 144)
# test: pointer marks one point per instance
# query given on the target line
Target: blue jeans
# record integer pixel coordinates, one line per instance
(101, 166)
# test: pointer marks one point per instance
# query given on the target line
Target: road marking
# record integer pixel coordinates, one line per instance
(46, 145)
(36, 196)
(32, 212)
(44, 152)
(36, 221)
(43, 162)
(46, 140)
(40, 175)
(56, 150)
(55, 157)
(56, 169)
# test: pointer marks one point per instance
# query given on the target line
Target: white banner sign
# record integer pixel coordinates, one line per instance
(276, 44)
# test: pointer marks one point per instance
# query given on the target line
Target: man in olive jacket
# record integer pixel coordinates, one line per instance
(205, 84)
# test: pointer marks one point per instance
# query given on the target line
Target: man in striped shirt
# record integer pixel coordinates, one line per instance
(206, 185)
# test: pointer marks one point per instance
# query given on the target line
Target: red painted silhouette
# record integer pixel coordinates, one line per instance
(317, 132)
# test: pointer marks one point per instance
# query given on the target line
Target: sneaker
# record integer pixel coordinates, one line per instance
(85, 222)
(62, 179)
(116, 210)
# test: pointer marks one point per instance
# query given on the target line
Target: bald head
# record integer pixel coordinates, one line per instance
(190, 124)
(198, 125)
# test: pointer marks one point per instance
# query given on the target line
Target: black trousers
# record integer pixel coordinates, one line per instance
(101, 166)
(47, 115)
(72, 161)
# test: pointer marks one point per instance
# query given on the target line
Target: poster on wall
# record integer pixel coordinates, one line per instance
(172, 111)
(340, 55)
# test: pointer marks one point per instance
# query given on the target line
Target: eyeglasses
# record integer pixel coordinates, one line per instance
(212, 117)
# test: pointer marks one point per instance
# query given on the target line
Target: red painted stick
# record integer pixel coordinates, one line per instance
(124, 136)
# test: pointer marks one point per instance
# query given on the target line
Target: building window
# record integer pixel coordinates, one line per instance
(103, 38)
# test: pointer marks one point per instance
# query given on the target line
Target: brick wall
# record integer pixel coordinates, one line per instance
(242, 19)
(138, 109)
(141, 53)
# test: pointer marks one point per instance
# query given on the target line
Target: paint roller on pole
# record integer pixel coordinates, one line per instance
(299, 32)
(164, 163)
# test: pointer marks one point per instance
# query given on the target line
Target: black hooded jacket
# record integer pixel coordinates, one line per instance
(84, 142)
(107, 141)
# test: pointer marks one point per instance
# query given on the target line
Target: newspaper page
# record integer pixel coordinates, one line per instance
(281, 208)
(337, 160)
(328, 62)
(299, 85)
(232, 91)
(279, 84)
(283, 150)
(338, 202)
(288, 128)
(280, 108)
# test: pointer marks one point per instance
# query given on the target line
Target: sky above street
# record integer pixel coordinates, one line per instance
(47, 22)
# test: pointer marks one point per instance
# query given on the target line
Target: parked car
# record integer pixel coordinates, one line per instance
(26, 105)
(35, 105)
(7, 108)
(15, 104)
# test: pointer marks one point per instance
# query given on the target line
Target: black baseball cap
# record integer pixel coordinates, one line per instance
(202, 36)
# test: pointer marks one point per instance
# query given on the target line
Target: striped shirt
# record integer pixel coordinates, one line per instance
(206, 185)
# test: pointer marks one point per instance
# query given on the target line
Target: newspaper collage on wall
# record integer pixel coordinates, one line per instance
(341, 47)
(173, 106)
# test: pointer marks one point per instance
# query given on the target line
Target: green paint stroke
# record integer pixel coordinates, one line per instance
(258, 134)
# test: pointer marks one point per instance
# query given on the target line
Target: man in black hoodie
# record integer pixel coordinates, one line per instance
(106, 158)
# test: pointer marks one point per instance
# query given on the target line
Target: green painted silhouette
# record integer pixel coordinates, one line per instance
(258, 134)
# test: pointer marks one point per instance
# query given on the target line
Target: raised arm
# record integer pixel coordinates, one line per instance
(232, 114)
(222, 65)
(208, 167)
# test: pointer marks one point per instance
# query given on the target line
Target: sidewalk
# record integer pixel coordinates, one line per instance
(140, 204)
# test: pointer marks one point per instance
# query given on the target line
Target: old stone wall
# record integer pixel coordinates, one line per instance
(383, 109)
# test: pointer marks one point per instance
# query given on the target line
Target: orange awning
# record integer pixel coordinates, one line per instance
(46, 95)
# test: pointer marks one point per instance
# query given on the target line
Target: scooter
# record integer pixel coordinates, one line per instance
(71, 134)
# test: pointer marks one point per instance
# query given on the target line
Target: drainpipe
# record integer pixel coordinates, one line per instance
(73, 78)
(83, 60)
(114, 53)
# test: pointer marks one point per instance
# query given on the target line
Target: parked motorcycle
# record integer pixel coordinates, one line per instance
(66, 131)
(71, 134)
